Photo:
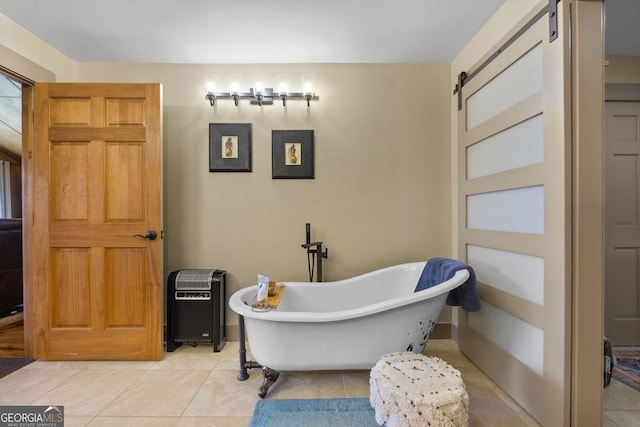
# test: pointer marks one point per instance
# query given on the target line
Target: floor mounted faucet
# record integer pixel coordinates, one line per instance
(314, 254)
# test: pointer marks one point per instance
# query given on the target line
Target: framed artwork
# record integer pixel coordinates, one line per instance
(229, 147)
(292, 154)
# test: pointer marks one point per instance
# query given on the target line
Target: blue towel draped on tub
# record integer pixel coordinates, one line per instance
(438, 270)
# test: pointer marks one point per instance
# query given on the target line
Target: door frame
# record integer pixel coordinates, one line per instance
(27, 215)
(587, 314)
(27, 73)
(26, 173)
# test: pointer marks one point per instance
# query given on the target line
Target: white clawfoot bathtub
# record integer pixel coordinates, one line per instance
(347, 324)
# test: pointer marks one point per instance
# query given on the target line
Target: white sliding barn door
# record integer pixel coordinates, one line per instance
(514, 215)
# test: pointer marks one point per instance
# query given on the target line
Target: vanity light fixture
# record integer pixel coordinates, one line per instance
(260, 95)
(283, 91)
(234, 92)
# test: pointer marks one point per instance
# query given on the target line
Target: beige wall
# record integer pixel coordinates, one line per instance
(381, 193)
(622, 69)
(29, 56)
(382, 188)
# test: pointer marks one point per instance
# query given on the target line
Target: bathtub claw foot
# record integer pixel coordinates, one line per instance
(270, 377)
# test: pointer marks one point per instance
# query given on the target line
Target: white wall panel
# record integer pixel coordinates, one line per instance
(521, 339)
(519, 274)
(519, 81)
(623, 175)
(515, 147)
(520, 210)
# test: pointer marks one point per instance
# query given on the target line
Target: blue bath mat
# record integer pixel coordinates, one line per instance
(313, 413)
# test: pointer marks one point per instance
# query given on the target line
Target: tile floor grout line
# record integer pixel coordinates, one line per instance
(198, 391)
(104, 408)
(78, 371)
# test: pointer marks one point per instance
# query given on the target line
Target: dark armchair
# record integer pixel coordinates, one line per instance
(10, 265)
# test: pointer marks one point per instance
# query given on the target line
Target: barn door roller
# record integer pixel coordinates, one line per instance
(551, 8)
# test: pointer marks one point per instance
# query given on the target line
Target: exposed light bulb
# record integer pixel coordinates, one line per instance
(283, 89)
(307, 88)
(234, 88)
(211, 88)
(259, 88)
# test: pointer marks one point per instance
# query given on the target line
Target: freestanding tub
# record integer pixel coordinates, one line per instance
(347, 324)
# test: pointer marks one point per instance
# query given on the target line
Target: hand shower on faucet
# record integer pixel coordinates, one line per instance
(314, 252)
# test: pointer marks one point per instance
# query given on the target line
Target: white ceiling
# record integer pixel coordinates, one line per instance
(254, 31)
(265, 31)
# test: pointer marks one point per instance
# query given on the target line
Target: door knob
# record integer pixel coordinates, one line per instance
(151, 235)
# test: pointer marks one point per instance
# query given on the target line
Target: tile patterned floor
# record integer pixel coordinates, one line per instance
(621, 406)
(194, 386)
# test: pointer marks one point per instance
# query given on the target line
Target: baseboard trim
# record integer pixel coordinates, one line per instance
(454, 333)
(232, 333)
(442, 331)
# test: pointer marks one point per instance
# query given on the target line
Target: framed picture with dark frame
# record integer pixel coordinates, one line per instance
(292, 154)
(229, 147)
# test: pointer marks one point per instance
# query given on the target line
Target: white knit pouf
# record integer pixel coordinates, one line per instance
(409, 389)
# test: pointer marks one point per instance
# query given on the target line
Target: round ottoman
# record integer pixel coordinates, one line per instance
(409, 389)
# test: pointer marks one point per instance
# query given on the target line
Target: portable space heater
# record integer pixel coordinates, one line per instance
(196, 308)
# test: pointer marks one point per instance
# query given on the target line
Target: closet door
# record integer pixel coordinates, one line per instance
(514, 215)
(622, 217)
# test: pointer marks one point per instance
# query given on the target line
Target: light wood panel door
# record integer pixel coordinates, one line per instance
(622, 222)
(95, 273)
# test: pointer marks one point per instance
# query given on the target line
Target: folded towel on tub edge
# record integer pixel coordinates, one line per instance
(438, 270)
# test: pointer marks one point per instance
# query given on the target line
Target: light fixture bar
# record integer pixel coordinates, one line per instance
(264, 97)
